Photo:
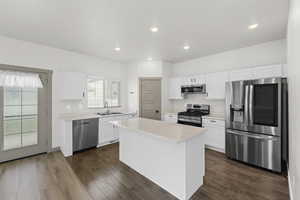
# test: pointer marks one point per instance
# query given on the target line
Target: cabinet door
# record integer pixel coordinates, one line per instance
(171, 118)
(267, 71)
(200, 79)
(72, 85)
(175, 88)
(215, 85)
(243, 74)
(215, 137)
(106, 131)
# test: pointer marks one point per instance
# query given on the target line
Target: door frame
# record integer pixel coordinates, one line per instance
(49, 94)
(140, 93)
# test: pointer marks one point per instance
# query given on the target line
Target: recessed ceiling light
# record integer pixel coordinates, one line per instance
(253, 26)
(186, 47)
(117, 49)
(154, 29)
(149, 59)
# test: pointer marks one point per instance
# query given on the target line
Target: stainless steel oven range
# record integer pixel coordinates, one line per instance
(256, 122)
(193, 114)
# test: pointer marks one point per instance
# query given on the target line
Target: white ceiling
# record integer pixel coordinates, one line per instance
(95, 27)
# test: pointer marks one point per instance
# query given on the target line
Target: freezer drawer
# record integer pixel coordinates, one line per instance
(256, 149)
(85, 134)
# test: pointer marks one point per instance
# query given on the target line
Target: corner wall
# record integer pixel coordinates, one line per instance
(136, 70)
(293, 71)
(22, 53)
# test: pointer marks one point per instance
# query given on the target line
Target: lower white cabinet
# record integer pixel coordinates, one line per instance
(215, 135)
(170, 117)
(108, 132)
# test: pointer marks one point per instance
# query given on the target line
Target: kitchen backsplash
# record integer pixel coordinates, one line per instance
(216, 106)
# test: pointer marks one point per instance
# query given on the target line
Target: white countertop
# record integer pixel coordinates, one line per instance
(173, 132)
(79, 116)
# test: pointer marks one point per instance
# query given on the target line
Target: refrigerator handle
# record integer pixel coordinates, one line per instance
(251, 97)
(246, 113)
(252, 135)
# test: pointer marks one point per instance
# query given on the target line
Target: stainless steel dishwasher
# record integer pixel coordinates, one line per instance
(85, 134)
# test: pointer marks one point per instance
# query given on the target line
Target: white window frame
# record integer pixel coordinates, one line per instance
(105, 81)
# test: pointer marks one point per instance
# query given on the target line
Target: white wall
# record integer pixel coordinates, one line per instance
(136, 70)
(21, 53)
(263, 54)
(293, 71)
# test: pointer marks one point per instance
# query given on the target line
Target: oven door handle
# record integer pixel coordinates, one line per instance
(252, 135)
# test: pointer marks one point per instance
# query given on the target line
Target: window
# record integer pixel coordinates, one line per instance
(95, 90)
(101, 92)
(20, 117)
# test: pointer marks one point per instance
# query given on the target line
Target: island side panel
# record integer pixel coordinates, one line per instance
(195, 164)
(161, 161)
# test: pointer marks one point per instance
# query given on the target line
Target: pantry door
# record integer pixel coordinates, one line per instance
(25, 120)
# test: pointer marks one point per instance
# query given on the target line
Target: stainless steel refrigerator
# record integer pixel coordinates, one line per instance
(256, 122)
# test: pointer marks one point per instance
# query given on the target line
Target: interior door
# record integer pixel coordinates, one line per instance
(150, 98)
(24, 120)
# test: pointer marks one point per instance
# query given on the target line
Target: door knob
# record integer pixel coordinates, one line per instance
(157, 111)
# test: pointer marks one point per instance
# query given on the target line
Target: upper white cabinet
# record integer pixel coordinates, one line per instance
(72, 85)
(194, 80)
(267, 71)
(174, 88)
(215, 85)
(256, 73)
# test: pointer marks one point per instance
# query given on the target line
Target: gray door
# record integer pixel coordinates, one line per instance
(25, 121)
(150, 98)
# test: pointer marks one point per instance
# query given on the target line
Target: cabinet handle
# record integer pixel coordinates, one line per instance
(213, 121)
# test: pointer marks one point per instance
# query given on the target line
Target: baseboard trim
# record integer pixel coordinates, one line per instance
(55, 149)
(290, 187)
(214, 149)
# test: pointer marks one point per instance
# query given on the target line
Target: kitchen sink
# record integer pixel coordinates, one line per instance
(109, 113)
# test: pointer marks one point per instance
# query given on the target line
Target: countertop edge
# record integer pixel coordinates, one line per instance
(160, 137)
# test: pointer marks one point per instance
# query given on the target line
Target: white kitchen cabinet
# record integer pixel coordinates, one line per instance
(194, 80)
(72, 85)
(257, 73)
(174, 88)
(242, 74)
(170, 117)
(215, 85)
(215, 135)
(267, 71)
(108, 132)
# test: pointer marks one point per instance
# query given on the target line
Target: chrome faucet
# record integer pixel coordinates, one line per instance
(106, 106)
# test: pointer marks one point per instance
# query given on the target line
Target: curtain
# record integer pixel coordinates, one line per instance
(20, 79)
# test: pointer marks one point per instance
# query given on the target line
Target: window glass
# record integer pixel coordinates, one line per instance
(95, 92)
(20, 117)
(103, 93)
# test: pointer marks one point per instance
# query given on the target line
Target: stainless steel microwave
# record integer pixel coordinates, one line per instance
(193, 89)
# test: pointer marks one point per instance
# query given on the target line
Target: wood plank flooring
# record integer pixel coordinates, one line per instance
(97, 174)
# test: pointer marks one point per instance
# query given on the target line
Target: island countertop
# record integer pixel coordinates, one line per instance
(172, 132)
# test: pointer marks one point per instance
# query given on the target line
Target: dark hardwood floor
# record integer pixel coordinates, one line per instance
(97, 174)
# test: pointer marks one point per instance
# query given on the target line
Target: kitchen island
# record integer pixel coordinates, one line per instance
(170, 155)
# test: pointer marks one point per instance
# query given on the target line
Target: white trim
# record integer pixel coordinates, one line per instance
(214, 148)
(290, 186)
